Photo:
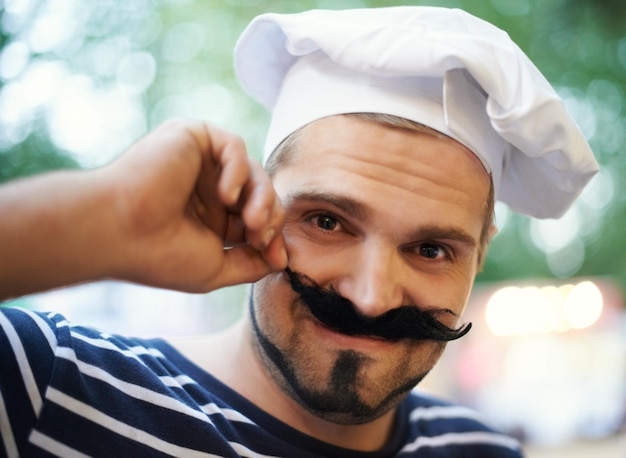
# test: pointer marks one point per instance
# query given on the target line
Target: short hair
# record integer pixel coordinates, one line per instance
(285, 151)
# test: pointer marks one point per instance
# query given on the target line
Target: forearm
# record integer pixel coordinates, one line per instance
(56, 229)
(159, 215)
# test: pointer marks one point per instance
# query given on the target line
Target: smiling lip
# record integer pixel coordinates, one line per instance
(359, 343)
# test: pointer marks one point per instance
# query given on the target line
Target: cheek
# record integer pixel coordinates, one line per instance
(272, 303)
(424, 355)
(279, 315)
(449, 291)
(282, 323)
(464, 283)
(293, 238)
(320, 261)
(420, 359)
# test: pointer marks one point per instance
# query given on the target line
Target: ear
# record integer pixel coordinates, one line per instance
(493, 230)
(482, 253)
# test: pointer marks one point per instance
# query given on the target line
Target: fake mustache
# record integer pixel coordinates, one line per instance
(340, 315)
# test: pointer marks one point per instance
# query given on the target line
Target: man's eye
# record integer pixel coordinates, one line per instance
(326, 222)
(430, 250)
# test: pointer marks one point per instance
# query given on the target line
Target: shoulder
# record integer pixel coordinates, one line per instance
(120, 389)
(437, 424)
(28, 340)
(20, 320)
(28, 344)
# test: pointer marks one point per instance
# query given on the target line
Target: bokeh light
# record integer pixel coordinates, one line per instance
(515, 310)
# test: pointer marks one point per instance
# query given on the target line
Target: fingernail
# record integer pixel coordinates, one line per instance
(269, 236)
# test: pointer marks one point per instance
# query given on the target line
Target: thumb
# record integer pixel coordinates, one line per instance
(242, 264)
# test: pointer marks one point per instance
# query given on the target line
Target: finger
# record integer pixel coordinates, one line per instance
(242, 264)
(263, 214)
(228, 150)
(276, 253)
(244, 186)
(235, 231)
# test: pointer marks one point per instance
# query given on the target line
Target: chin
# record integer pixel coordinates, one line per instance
(345, 395)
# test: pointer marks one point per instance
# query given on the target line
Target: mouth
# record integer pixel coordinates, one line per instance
(336, 339)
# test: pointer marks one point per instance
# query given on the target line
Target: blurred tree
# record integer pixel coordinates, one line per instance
(35, 154)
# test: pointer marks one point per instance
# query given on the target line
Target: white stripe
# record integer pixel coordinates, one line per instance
(10, 447)
(130, 389)
(478, 437)
(229, 414)
(54, 447)
(139, 350)
(45, 329)
(22, 361)
(431, 413)
(178, 381)
(242, 450)
(120, 428)
(59, 324)
(106, 345)
(132, 352)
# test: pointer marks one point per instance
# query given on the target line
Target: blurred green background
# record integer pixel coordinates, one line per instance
(80, 81)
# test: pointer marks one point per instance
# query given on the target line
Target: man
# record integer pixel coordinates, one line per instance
(392, 132)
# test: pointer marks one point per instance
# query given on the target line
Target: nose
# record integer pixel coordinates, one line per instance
(374, 281)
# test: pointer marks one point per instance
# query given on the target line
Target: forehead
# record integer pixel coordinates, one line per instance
(341, 139)
(395, 171)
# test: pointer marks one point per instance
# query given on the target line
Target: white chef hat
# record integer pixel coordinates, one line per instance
(437, 66)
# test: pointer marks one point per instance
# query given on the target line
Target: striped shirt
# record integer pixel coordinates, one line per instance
(73, 391)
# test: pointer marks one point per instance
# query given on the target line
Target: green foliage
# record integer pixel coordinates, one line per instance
(32, 156)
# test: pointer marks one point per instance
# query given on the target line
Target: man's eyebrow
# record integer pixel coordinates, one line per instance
(353, 207)
(446, 233)
(345, 204)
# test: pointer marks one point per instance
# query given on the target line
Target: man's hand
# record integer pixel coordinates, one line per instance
(187, 191)
(184, 208)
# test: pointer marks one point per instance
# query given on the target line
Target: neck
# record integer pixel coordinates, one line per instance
(239, 365)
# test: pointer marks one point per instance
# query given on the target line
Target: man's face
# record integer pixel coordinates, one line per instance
(386, 217)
